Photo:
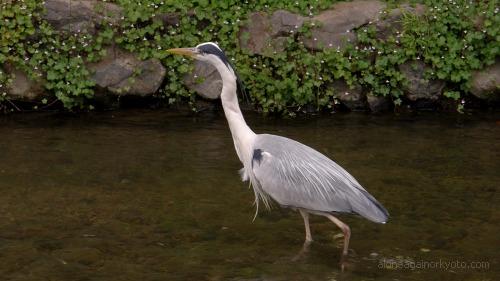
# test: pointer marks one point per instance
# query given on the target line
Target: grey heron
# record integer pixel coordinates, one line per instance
(286, 171)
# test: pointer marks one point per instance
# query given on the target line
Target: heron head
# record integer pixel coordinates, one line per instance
(211, 53)
(207, 52)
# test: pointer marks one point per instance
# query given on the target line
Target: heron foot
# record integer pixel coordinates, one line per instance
(307, 242)
(304, 251)
(346, 263)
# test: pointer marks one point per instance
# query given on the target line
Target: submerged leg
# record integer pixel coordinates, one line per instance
(345, 229)
(307, 242)
(305, 216)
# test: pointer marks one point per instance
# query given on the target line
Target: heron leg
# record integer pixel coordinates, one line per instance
(345, 229)
(305, 248)
(305, 216)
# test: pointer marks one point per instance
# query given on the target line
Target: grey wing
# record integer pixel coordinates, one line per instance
(296, 175)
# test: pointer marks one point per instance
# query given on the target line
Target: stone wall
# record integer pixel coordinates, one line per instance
(264, 34)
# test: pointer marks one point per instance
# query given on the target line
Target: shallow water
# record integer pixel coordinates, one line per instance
(143, 195)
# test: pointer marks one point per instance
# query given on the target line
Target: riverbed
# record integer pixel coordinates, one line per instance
(155, 195)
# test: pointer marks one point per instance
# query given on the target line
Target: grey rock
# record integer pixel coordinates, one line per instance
(377, 103)
(122, 73)
(283, 23)
(204, 80)
(265, 34)
(169, 19)
(337, 24)
(418, 87)
(80, 15)
(351, 96)
(392, 22)
(255, 36)
(486, 82)
(23, 88)
(174, 18)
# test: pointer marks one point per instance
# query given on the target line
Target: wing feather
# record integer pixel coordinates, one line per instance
(296, 175)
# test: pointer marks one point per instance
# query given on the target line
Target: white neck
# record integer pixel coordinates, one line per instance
(243, 136)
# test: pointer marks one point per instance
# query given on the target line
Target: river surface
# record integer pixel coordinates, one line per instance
(152, 195)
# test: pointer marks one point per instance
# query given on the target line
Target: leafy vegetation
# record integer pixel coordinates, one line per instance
(452, 37)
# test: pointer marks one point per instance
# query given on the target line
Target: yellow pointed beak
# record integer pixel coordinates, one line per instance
(190, 52)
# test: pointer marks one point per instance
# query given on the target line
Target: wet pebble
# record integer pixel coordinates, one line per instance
(85, 256)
